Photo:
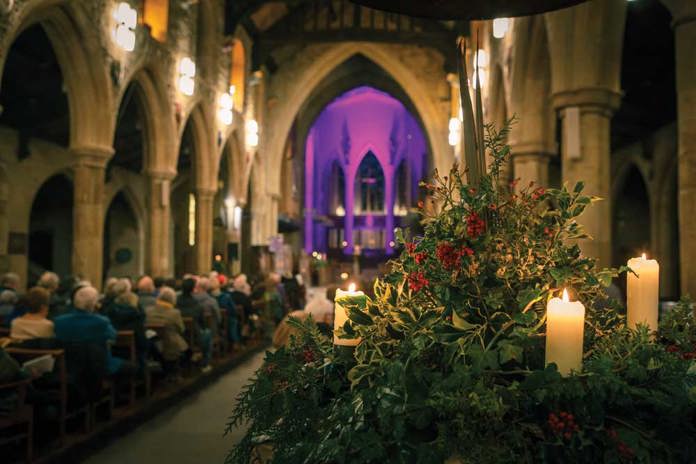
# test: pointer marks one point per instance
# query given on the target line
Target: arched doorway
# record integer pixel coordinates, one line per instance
(631, 219)
(123, 255)
(33, 96)
(183, 201)
(123, 243)
(50, 228)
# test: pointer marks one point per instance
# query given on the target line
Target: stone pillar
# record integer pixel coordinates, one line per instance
(88, 213)
(684, 15)
(531, 164)
(585, 44)
(592, 163)
(159, 216)
(204, 230)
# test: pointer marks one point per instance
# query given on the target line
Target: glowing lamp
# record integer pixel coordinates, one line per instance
(126, 21)
(500, 27)
(187, 73)
(252, 133)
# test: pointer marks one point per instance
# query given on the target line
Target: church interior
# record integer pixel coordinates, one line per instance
(239, 159)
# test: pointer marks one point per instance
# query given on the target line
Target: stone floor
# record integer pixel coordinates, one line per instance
(190, 432)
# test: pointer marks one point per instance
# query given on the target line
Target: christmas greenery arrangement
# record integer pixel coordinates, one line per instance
(451, 365)
(451, 361)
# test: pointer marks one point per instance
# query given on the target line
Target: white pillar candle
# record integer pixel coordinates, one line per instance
(340, 315)
(643, 292)
(565, 325)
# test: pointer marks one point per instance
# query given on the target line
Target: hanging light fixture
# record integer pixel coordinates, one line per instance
(187, 73)
(455, 131)
(126, 21)
(252, 133)
(226, 103)
(500, 27)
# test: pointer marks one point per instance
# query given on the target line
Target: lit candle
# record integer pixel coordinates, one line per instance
(643, 292)
(565, 325)
(340, 316)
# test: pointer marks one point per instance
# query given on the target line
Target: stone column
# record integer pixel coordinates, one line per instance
(88, 212)
(592, 163)
(204, 230)
(531, 164)
(684, 15)
(585, 44)
(159, 215)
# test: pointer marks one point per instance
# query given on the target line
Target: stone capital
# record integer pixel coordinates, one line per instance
(588, 98)
(204, 193)
(530, 149)
(161, 175)
(92, 156)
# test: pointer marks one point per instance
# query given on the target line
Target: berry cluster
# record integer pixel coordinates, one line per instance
(626, 452)
(685, 355)
(309, 355)
(563, 424)
(475, 226)
(417, 280)
(451, 257)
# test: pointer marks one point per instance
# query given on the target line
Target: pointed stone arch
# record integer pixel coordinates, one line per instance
(159, 141)
(76, 43)
(323, 62)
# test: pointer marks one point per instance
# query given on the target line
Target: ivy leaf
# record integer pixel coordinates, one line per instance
(510, 352)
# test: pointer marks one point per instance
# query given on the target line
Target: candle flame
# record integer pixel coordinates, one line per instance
(644, 257)
(565, 296)
(351, 287)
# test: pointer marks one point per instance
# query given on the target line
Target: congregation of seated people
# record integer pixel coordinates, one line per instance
(176, 328)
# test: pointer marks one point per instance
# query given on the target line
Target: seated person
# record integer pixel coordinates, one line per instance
(125, 315)
(226, 304)
(284, 331)
(147, 295)
(84, 326)
(189, 306)
(173, 346)
(8, 300)
(34, 323)
(321, 306)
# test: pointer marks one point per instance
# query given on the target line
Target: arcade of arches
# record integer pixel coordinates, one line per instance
(208, 136)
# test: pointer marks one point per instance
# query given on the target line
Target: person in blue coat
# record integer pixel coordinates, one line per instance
(84, 326)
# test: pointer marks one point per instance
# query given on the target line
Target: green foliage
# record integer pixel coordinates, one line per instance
(451, 361)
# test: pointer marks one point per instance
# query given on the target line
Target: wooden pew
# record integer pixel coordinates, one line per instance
(126, 339)
(189, 333)
(21, 414)
(60, 392)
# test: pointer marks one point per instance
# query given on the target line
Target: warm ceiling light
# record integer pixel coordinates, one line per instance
(126, 21)
(500, 27)
(252, 133)
(225, 109)
(187, 73)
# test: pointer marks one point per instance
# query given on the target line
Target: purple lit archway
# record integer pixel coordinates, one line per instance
(364, 157)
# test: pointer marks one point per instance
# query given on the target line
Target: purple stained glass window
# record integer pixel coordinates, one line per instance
(368, 149)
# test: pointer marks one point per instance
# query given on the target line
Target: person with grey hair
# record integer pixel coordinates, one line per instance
(147, 294)
(173, 347)
(206, 300)
(84, 326)
(49, 280)
(8, 300)
(9, 281)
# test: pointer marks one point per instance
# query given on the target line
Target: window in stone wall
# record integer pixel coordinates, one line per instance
(237, 75)
(156, 16)
(191, 219)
